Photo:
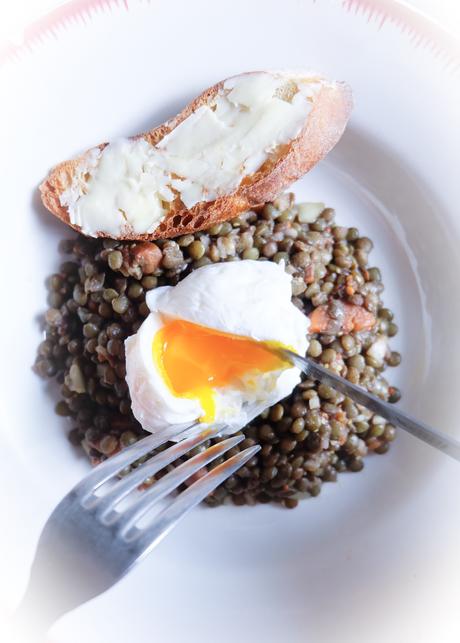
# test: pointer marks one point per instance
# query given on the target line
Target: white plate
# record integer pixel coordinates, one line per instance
(375, 557)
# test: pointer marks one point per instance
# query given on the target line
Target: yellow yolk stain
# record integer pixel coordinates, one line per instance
(194, 360)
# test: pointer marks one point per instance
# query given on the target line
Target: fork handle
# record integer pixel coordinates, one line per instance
(32, 619)
(431, 436)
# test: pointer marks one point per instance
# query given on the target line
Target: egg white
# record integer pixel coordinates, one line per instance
(247, 298)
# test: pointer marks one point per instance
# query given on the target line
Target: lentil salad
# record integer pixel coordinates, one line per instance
(97, 299)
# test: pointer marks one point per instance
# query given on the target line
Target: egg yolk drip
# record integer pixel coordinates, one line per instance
(194, 360)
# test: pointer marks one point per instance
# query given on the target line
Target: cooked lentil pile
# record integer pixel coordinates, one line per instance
(96, 300)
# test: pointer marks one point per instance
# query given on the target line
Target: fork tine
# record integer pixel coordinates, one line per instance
(149, 468)
(145, 539)
(172, 480)
(117, 463)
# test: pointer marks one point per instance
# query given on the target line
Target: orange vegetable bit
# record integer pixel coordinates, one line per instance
(356, 318)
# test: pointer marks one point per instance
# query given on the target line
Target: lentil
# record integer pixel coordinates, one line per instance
(196, 250)
(314, 348)
(394, 359)
(115, 260)
(120, 304)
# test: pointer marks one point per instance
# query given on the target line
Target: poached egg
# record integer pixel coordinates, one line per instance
(204, 353)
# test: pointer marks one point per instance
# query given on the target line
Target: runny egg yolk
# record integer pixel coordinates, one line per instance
(194, 360)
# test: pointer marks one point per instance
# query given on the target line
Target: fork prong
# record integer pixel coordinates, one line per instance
(172, 480)
(106, 470)
(145, 539)
(106, 503)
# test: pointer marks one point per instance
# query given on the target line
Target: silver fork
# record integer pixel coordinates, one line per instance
(89, 542)
(448, 445)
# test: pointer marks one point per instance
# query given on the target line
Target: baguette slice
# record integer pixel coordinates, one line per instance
(331, 104)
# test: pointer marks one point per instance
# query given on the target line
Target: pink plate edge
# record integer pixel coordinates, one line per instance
(422, 31)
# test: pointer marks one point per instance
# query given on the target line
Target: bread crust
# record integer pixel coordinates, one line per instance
(323, 128)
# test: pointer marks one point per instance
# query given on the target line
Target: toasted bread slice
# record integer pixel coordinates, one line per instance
(329, 108)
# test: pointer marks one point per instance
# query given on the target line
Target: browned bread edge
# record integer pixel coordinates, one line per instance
(323, 128)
